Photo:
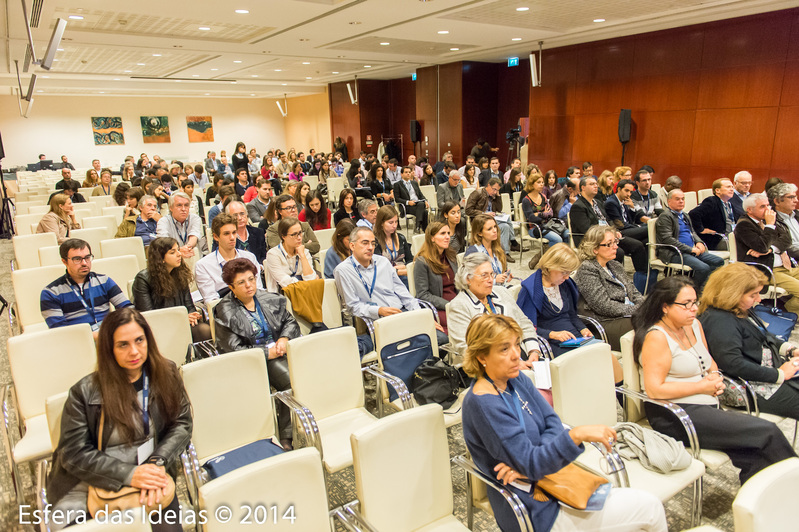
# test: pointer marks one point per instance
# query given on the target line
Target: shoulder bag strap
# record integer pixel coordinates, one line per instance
(100, 433)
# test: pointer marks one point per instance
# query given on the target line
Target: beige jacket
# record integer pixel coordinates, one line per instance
(51, 223)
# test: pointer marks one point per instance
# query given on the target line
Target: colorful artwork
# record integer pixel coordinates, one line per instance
(201, 128)
(107, 130)
(155, 129)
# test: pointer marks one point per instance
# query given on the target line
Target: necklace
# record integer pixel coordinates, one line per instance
(676, 336)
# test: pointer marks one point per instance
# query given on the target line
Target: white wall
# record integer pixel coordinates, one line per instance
(61, 125)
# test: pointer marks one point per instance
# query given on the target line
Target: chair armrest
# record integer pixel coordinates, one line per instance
(207, 347)
(519, 510)
(431, 307)
(304, 416)
(616, 465)
(14, 327)
(393, 381)
(751, 390)
(200, 475)
(188, 474)
(530, 225)
(545, 348)
(595, 327)
(679, 413)
(368, 322)
(675, 248)
(352, 518)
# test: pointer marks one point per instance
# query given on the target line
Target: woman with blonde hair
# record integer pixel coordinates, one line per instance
(741, 345)
(549, 298)
(621, 172)
(485, 239)
(434, 270)
(606, 185)
(60, 220)
(512, 433)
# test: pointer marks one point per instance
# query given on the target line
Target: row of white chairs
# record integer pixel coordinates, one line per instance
(38, 204)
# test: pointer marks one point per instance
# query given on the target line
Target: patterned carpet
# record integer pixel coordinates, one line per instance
(719, 492)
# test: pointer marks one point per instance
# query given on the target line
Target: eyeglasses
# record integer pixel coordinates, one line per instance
(688, 305)
(79, 260)
(485, 276)
(240, 215)
(568, 274)
(290, 208)
(247, 281)
(611, 244)
(294, 235)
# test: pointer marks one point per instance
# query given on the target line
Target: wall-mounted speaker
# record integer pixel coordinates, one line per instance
(625, 122)
(416, 131)
(55, 40)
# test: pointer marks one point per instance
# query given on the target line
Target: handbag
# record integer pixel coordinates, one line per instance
(778, 322)
(435, 381)
(572, 485)
(402, 358)
(126, 498)
(556, 225)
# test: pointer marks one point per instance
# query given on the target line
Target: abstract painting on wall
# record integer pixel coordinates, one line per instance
(107, 130)
(201, 128)
(155, 129)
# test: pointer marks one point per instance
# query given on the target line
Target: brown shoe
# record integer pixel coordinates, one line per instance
(508, 258)
(534, 261)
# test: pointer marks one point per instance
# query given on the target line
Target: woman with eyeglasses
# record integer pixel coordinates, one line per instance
(671, 348)
(247, 318)
(479, 295)
(289, 262)
(609, 294)
(549, 298)
(285, 206)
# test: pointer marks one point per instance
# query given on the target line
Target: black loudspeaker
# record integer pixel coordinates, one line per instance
(625, 118)
(416, 131)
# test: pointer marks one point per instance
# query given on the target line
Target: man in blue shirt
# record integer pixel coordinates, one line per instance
(80, 295)
(673, 227)
(147, 221)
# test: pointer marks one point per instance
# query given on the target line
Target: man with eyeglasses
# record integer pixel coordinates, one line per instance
(742, 181)
(80, 295)
(286, 206)
(674, 228)
(783, 197)
(183, 226)
(208, 270)
(369, 284)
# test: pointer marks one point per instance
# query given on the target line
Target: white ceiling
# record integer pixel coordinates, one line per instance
(298, 46)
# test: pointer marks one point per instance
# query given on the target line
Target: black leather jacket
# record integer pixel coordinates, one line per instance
(144, 298)
(233, 329)
(77, 457)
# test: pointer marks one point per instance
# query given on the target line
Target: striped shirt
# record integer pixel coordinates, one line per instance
(64, 302)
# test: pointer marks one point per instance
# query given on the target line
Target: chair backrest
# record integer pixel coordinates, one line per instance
(28, 285)
(119, 269)
(23, 223)
(295, 481)
(210, 306)
(416, 243)
(50, 256)
(94, 208)
(86, 192)
(506, 205)
(41, 210)
(762, 500)
(321, 258)
(411, 280)
(690, 200)
(312, 180)
(331, 305)
(334, 187)
(108, 223)
(54, 408)
(652, 237)
(47, 363)
(402, 461)
(732, 246)
(583, 390)
(93, 236)
(429, 192)
(230, 401)
(21, 207)
(326, 371)
(171, 330)
(703, 193)
(632, 377)
(325, 237)
(117, 247)
(26, 248)
(117, 211)
(102, 201)
(398, 327)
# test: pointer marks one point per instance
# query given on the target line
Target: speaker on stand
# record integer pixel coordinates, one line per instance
(625, 124)
(416, 134)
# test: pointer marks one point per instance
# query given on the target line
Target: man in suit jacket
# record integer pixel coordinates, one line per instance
(408, 194)
(742, 182)
(674, 228)
(761, 241)
(622, 212)
(783, 197)
(716, 216)
(586, 211)
(490, 172)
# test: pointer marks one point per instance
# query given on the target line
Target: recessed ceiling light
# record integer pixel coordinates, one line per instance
(76, 17)
(141, 64)
(195, 75)
(56, 60)
(178, 80)
(367, 66)
(254, 75)
(127, 71)
(214, 69)
(284, 84)
(443, 32)
(522, 9)
(334, 72)
(59, 49)
(233, 82)
(384, 43)
(116, 79)
(45, 77)
(516, 39)
(237, 61)
(102, 92)
(252, 94)
(204, 28)
(306, 62)
(242, 11)
(354, 23)
(599, 20)
(40, 90)
(156, 55)
(308, 77)
(278, 70)
(454, 49)
(208, 94)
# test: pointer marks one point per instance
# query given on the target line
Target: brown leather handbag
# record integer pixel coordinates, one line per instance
(572, 485)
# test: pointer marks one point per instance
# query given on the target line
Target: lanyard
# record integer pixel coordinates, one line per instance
(183, 236)
(259, 317)
(374, 278)
(296, 261)
(89, 308)
(517, 412)
(392, 251)
(145, 394)
(495, 264)
(104, 192)
(490, 306)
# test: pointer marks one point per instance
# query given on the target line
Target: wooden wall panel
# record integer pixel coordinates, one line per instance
(668, 52)
(450, 111)
(757, 85)
(426, 102)
(664, 137)
(480, 103)
(514, 94)
(790, 84)
(671, 92)
(374, 113)
(747, 40)
(786, 154)
(344, 117)
(551, 138)
(596, 138)
(402, 98)
(743, 136)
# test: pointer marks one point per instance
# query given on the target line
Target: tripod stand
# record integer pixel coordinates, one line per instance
(6, 223)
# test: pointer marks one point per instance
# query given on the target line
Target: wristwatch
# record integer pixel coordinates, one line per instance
(157, 460)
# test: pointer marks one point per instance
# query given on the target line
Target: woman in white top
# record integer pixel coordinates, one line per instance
(671, 348)
(485, 239)
(289, 262)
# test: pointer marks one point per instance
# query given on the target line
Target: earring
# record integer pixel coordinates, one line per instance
(484, 365)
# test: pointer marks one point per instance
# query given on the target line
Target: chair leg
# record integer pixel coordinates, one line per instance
(469, 502)
(696, 512)
(795, 429)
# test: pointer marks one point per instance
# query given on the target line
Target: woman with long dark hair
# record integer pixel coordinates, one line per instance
(239, 158)
(121, 194)
(376, 180)
(346, 207)
(450, 213)
(392, 243)
(550, 183)
(485, 239)
(340, 248)
(357, 181)
(676, 366)
(434, 270)
(316, 212)
(137, 397)
(166, 283)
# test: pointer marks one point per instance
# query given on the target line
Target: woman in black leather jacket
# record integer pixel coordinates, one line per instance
(127, 360)
(165, 283)
(248, 318)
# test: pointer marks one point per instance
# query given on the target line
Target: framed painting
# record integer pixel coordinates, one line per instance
(201, 128)
(107, 130)
(155, 129)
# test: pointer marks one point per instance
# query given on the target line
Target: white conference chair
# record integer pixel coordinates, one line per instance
(108, 223)
(102, 201)
(325, 237)
(416, 243)
(26, 249)
(26, 224)
(172, 332)
(50, 256)
(41, 210)
(26, 314)
(93, 236)
(117, 247)
(761, 502)
(703, 193)
(120, 269)
(117, 211)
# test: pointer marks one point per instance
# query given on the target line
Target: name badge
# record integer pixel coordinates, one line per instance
(522, 485)
(95, 327)
(145, 450)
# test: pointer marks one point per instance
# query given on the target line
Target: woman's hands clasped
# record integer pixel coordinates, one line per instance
(151, 480)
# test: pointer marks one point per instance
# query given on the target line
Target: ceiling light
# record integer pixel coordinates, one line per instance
(367, 66)
(284, 84)
(242, 11)
(156, 55)
(56, 60)
(237, 61)
(443, 32)
(116, 79)
(195, 75)
(334, 72)
(59, 49)
(516, 39)
(40, 90)
(127, 71)
(76, 17)
(354, 23)
(252, 94)
(278, 70)
(306, 62)
(141, 64)
(214, 69)
(204, 28)
(208, 94)
(233, 82)
(454, 49)
(384, 43)
(599, 20)
(308, 77)
(102, 92)
(254, 75)
(44, 77)
(522, 9)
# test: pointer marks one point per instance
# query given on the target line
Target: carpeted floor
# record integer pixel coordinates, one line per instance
(719, 492)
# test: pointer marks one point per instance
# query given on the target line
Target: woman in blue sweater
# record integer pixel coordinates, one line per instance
(513, 434)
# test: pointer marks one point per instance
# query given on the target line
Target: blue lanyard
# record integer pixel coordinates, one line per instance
(89, 307)
(517, 412)
(495, 264)
(183, 236)
(392, 251)
(259, 317)
(491, 304)
(296, 261)
(145, 394)
(374, 278)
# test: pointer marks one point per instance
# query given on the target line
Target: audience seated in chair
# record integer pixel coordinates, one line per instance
(286, 206)
(248, 238)
(485, 240)
(315, 212)
(145, 224)
(183, 226)
(742, 181)
(537, 210)
(346, 207)
(676, 366)
(391, 243)
(487, 201)
(61, 218)
(716, 215)
(80, 295)
(258, 205)
(408, 194)
(367, 208)
(71, 191)
(624, 214)
(783, 197)
(644, 197)
(340, 248)
(434, 270)
(289, 262)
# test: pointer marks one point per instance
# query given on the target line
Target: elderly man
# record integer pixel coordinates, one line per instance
(368, 210)
(671, 183)
(211, 163)
(144, 225)
(451, 190)
(783, 197)
(183, 226)
(716, 215)
(760, 240)
(384, 294)
(673, 227)
(742, 183)
(488, 201)
(257, 206)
